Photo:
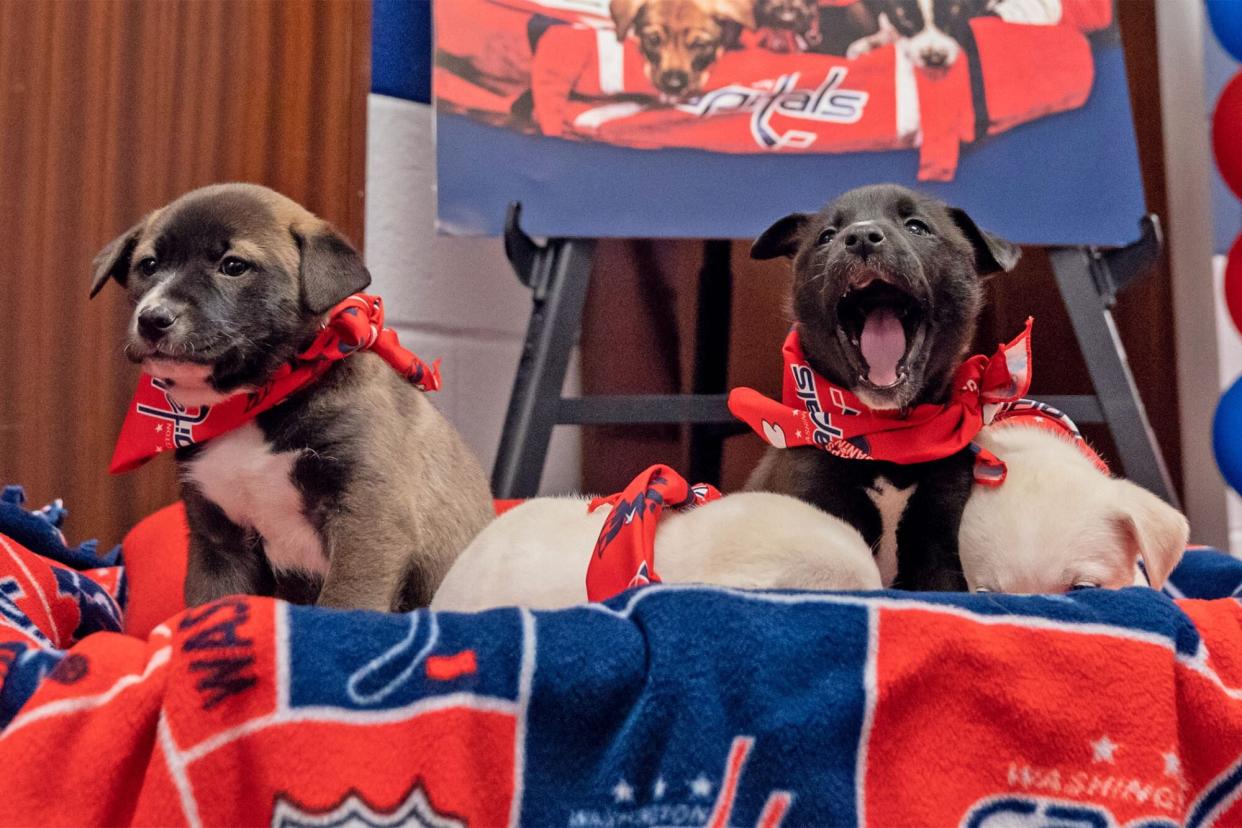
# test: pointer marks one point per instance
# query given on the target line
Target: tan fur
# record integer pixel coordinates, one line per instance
(420, 488)
(678, 26)
(1058, 521)
(536, 555)
(401, 495)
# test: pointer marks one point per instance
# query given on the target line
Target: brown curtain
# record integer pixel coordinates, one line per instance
(109, 108)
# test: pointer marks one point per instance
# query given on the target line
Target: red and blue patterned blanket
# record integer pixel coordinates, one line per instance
(665, 706)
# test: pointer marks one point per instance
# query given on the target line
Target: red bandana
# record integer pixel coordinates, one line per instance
(1032, 413)
(156, 422)
(624, 555)
(815, 412)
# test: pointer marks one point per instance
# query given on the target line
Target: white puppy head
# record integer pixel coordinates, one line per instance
(761, 540)
(1057, 523)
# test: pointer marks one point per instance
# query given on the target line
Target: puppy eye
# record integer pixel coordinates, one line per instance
(917, 227)
(1083, 585)
(827, 236)
(148, 266)
(233, 266)
(651, 40)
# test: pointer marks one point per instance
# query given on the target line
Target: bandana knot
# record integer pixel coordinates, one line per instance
(624, 555)
(156, 422)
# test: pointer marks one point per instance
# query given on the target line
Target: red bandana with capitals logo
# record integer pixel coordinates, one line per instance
(1034, 414)
(157, 423)
(624, 555)
(816, 412)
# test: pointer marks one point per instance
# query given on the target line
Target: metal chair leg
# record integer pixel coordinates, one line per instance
(1085, 284)
(711, 356)
(558, 274)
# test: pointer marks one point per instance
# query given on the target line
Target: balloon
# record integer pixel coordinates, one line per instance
(1227, 134)
(1226, 17)
(1227, 435)
(1233, 283)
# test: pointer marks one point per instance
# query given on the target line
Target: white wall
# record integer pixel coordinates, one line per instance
(1180, 30)
(447, 297)
(1230, 369)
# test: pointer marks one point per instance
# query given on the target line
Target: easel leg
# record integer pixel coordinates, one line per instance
(555, 318)
(1110, 373)
(711, 355)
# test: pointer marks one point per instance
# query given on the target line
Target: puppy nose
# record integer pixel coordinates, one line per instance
(675, 80)
(155, 321)
(935, 58)
(863, 238)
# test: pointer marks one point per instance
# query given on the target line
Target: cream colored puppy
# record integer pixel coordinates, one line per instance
(1058, 523)
(536, 554)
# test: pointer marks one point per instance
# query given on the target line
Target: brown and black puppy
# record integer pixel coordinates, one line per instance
(681, 39)
(886, 297)
(353, 492)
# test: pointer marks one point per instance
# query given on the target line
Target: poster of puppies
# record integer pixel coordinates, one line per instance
(709, 117)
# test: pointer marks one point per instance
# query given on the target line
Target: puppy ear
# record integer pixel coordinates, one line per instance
(992, 253)
(623, 13)
(782, 238)
(1153, 531)
(741, 12)
(331, 269)
(113, 261)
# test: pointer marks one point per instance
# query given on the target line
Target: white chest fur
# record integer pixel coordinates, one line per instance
(891, 502)
(253, 485)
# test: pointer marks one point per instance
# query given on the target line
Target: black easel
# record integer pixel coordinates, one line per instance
(558, 274)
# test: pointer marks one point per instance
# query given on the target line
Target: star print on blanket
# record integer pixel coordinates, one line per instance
(678, 706)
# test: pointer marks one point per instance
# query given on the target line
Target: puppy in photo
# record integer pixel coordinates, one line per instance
(1060, 522)
(681, 39)
(351, 492)
(928, 32)
(887, 289)
(788, 25)
(536, 555)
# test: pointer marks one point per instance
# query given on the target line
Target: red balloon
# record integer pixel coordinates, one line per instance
(1233, 283)
(1227, 134)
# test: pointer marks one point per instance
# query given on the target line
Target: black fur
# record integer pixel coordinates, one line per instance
(950, 16)
(937, 274)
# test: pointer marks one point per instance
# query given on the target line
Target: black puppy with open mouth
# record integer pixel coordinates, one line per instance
(886, 298)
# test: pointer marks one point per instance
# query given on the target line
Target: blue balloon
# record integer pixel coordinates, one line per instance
(1227, 435)
(1226, 17)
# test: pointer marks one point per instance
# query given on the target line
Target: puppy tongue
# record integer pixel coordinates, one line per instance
(883, 343)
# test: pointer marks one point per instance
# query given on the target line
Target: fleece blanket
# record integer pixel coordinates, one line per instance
(665, 706)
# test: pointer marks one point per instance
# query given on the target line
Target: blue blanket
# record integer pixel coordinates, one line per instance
(665, 706)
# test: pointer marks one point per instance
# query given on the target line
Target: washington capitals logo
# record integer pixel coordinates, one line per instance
(663, 805)
(625, 511)
(825, 431)
(827, 103)
(1038, 812)
(176, 415)
(354, 810)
